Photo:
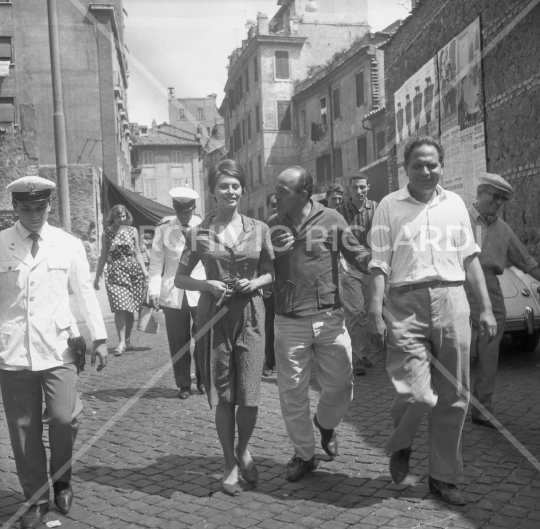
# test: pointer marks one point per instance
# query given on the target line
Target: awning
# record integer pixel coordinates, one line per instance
(145, 212)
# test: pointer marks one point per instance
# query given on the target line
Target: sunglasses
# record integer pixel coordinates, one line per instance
(497, 196)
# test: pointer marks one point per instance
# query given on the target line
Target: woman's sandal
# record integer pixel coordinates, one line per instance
(232, 489)
(129, 347)
(119, 351)
(250, 475)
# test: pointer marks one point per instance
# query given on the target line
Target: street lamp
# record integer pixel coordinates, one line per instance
(312, 6)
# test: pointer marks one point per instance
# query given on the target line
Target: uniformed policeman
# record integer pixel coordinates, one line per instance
(37, 262)
(179, 307)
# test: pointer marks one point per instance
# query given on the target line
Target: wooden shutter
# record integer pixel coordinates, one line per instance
(360, 98)
(282, 65)
(7, 110)
(284, 115)
(5, 49)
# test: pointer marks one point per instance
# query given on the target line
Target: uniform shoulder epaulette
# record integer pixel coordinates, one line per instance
(71, 233)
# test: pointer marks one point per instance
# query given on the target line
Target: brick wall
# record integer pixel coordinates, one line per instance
(511, 89)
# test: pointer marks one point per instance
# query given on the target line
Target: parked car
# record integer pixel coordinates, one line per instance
(522, 300)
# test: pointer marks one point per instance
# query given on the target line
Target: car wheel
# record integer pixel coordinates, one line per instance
(524, 341)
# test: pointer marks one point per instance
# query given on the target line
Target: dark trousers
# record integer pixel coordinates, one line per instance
(178, 325)
(22, 394)
(269, 354)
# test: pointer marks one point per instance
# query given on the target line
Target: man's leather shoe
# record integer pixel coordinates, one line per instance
(298, 468)
(483, 422)
(329, 440)
(200, 385)
(367, 362)
(33, 517)
(63, 496)
(267, 370)
(449, 492)
(358, 368)
(399, 465)
(184, 393)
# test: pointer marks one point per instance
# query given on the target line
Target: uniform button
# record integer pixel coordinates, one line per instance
(31, 314)
(32, 298)
(32, 283)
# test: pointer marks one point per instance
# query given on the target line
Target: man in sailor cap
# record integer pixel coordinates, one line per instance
(179, 306)
(37, 262)
(498, 244)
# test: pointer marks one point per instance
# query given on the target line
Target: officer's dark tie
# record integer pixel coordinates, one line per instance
(35, 243)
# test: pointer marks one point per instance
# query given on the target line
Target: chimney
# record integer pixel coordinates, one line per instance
(171, 92)
(154, 123)
(262, 24)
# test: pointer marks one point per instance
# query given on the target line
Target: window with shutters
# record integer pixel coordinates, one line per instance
(149, 188)
(302, 122)
(338, 163)
(360, 96)
(255, 70)
(148, 157)
(381, 143)
(239, 89)
(362, 152)
(243, 129)
(282, 65)
(162, 157)
(246, 78)
(260, 164)
(6, 50)
(322, 107)
(231, 100)
(181, 114)
(337, 105)
(248, 121)
(176, 182)
(284, 115)
(176, 157)
(251, 180)
(200, 114)
(257, 119)
(323, 168)
(7, 111)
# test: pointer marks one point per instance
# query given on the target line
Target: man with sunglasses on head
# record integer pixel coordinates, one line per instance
(499, 244)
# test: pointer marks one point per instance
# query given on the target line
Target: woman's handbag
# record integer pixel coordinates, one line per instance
(147, 323)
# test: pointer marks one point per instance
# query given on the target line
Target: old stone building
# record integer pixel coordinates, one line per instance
(278, 53)
(165, 157)
(507, 97)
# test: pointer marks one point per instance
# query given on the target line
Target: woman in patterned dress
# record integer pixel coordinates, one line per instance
(230, 314)
(126, 273)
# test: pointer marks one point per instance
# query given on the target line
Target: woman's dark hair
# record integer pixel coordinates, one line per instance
(116, 211)
(226, 168)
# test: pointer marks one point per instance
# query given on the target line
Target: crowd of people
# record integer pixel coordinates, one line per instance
(326, 283)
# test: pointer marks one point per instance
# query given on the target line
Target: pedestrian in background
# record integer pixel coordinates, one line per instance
(499, 245)
(38, 262)
(126, 273)
(334, 196)
(423, 247)
(179, 306)
(309, 322)
(232, 247)
(358, 212)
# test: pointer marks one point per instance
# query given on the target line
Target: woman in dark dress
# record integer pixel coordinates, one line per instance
(126, 273)
(230, 315)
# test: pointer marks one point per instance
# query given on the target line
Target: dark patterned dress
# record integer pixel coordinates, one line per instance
(124, 278)
(230, 350)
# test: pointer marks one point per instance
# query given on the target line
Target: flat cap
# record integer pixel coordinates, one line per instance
(183, 197)
(31, 189)
(496, 181)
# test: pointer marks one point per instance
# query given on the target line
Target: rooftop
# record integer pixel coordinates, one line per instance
(158, 138)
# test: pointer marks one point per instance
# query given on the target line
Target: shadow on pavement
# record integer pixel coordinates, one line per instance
(116, 394)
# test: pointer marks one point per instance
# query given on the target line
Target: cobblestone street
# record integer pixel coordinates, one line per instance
(147, 459)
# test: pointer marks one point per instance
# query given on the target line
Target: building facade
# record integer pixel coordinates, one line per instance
(197, 115)
(277, 54)
(508, 95)
(94, 78)
(165, 157)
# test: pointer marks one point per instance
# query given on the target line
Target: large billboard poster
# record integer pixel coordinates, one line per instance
(459, 112)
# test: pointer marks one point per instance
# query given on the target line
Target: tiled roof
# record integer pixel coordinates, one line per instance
(375, 112)
(161, 139)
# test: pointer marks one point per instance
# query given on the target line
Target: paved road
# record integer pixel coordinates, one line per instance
(150, 460)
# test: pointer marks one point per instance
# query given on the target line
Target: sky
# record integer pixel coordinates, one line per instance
(185, 44)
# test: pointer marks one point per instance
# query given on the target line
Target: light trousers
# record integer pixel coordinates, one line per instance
(324, 338)
(22, 395)
(355, 295)
(428, 364)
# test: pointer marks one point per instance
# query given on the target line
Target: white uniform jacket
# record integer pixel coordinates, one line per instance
(34, 298)
(167, 248)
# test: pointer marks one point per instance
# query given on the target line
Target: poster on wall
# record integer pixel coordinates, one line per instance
(417, 110)
(462, 112)
(449, 108)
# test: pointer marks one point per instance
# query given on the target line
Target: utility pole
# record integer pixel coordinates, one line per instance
(60, 141)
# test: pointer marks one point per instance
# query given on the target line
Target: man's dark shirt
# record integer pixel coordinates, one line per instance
(355, 217)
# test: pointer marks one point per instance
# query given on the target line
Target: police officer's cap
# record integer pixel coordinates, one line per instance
(183, 197)
(31, 189)
(496, 181)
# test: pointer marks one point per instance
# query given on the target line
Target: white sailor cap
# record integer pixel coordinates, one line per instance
(183, 197)
(31, 189)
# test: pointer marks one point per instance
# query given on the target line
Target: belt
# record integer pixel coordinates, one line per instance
(436, 283)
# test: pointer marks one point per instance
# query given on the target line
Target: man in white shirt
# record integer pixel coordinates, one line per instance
(37, 262)
(423, 247)
(179, 307)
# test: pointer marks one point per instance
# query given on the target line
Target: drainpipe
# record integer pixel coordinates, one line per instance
(60, 141)
(330, 110)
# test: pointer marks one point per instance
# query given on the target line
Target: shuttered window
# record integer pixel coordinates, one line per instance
(5, 49)
(246, 77)
(302, 123)
(176, 157)
(148, 157)
(260, 164)
(337, 105)
(149, 188)
(255, 70)
(248, 120)
(362, 152)
(7, 110)
(360, 97)
(257, 119)
(338, 163)
(284, 115)
(282, 65)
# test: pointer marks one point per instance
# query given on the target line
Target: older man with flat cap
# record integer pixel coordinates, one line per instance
(499, 244)
(179, 306)
(37, 357)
